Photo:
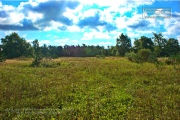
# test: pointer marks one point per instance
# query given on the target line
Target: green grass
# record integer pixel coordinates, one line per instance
(89, 88)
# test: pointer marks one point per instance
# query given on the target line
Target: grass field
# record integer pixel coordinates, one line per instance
(89, 88)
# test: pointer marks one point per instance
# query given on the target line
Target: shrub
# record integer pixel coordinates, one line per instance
(45, 62)
(48, 63)
(144, 54)
(100, 56)
(152, 58)
(176, 59)
(169, 61)
(36, 62)
(133, 57)
(2, 59)
(2, 56)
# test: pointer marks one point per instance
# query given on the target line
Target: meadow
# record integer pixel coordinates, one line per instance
(89, 88)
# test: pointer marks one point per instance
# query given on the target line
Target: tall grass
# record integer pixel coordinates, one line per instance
(89, 88)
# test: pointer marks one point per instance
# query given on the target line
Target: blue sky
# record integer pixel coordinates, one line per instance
(93, 22)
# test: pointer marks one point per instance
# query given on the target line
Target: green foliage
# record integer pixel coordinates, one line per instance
(14, 46)
(160, 44)
(172, 47)
(48, 63)
(173, 60)
(152, 58)
(77, 90)
(133, 57)
(123, 44)
(37, 54)
(88, 88)
(2, 56)
(169, 61)
(144, 54)
(143, 43)
(100, 56)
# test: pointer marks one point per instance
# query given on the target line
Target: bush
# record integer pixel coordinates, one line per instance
(169, 61)
(144, 54)
(152, 58)
(45, 62)
(2, 57)
(176, 59)
(133, 57)
(36, 62)
(100, 56)
(173, 60)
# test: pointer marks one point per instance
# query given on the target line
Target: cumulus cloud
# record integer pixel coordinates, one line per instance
(53, 10)
(94, 21)
(3, 14)
(26, 25)
(100, 17)
(74, 41)
(64, 40)
(95, 35)
(40, 13)
(139, 24)
(73, 28)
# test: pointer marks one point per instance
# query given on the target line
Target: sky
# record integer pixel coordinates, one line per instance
(90, 22)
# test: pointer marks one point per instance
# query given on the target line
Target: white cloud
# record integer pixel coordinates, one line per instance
(105, 43)
(9, 32)
(34, 16)
(71, 15)
(106, 16)
(133, 35)
(73, 28)
(121, 22)
(64, 40)
(100, 35)
(74, 41)
(30, 41)
(42, 42)
(14, 16)
(8, 8)
(95, 35)
(54, 26)
(112, 3)
(173, 29)
(141, 32)
(0, 4)
(89, 13)
(87, 36)
(178, 38)
(24, 36)
(55, 37)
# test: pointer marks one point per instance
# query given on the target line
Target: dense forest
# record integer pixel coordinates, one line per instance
(13, 46)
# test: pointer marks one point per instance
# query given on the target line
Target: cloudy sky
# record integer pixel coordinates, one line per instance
(93, 22)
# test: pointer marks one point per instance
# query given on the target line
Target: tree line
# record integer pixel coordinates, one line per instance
(13, 46)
